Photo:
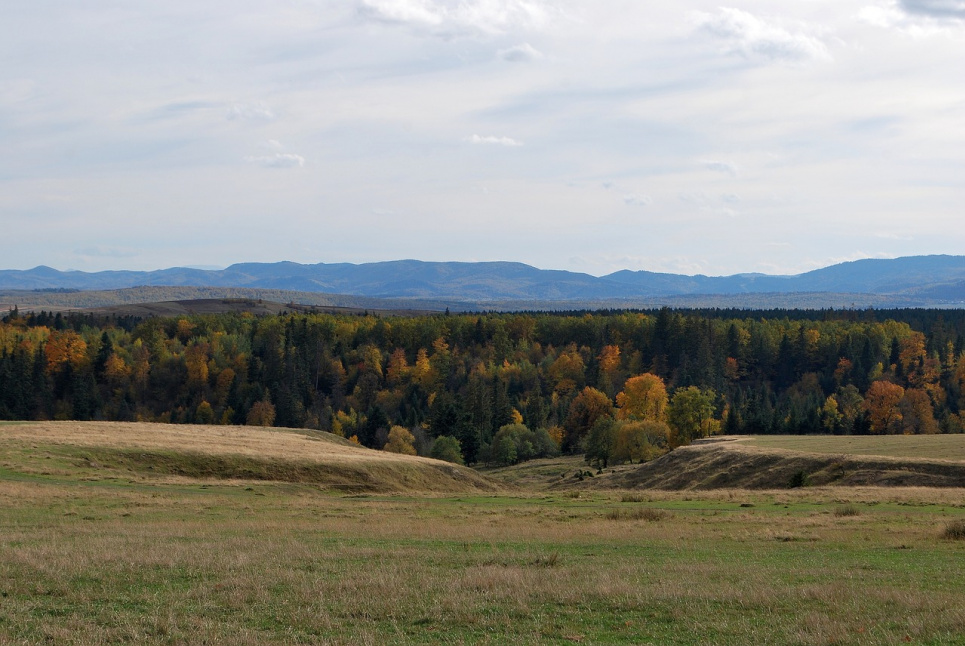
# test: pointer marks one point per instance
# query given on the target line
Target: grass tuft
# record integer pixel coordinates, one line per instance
(954, 531)
(640, 513)
(634, 497)
(547, 561)
(847, 510)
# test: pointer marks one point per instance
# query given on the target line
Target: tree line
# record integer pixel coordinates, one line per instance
(499, 387)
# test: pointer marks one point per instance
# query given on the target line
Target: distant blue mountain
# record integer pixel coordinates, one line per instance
(929, 278)
(898, 276)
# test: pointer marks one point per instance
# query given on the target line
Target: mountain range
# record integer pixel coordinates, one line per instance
(910, 281)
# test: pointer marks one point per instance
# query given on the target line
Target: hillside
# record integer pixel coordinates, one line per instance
(906, 282)
(106, 450)
(175, 300)
(742, 463)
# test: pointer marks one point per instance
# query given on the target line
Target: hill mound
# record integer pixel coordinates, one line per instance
(733, 464)
(159, 451)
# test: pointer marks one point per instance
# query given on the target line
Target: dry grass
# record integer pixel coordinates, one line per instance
(740, 464)
(182, 564)
(930, 447)
(637, 513)
(101, 560)
(845, 511)
(165, 452)
(212, 440)
(228, 566)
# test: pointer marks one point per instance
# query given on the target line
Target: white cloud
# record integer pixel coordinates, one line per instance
(941, 9)
(459, 17)
(251, 112)
(720, 167)
(637, 200)
(494, 141)
(340, 103)
(752, 37)
(916, 18)
(278, 160)
(524, 53)
(694, 197)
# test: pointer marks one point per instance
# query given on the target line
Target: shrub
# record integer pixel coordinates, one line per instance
(954, 531)
(799, 479)
(516, 443)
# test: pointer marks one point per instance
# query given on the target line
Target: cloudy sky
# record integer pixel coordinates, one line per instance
(684, 136)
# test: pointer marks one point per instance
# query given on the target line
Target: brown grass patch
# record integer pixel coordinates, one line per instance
(739, 465)
(639, 513)
(118, 449)
(954, 531)
(846, 510)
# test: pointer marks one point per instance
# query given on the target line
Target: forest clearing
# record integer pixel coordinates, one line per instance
(101, 546)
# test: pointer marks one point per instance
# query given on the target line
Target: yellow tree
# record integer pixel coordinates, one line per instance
(261, 413)
(116, 371)
(567, 372)
(917, 414)
(65, 347)
(640, 441)
(644, 397)
(422, 371)
(398, 368)
(609, 368)
(196, 361)
(400, 441)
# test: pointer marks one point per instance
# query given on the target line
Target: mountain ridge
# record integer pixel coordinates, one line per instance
(932, 279)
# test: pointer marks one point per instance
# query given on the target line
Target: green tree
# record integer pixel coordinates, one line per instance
(204, 413)
(640, 441)
(446, 448)
(690, 415)
(504, 450)
(601, 441)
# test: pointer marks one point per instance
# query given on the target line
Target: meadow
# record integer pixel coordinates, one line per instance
(98, 552)
(934, 447)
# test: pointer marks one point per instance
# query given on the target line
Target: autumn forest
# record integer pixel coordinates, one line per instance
(500, 388)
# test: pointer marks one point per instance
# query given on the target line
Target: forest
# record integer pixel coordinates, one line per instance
(500, 388)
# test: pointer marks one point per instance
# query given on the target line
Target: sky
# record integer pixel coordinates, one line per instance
(686, 137)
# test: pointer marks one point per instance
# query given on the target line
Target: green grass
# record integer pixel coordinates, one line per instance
(107, 555)
(271, 563)
(942, 447)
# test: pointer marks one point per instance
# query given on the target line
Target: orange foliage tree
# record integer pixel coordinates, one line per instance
(881, 402)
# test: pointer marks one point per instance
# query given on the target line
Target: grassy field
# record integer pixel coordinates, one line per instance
(119, 553)
(933, 447)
